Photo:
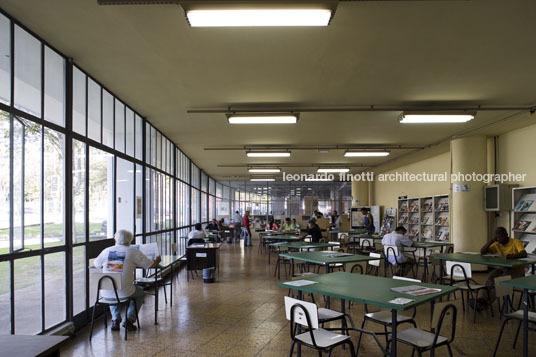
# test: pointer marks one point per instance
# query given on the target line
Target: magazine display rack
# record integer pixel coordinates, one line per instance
(524, 216)
(426, 217)
(389, 219)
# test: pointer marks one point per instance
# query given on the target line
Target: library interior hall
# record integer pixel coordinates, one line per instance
(266, 178)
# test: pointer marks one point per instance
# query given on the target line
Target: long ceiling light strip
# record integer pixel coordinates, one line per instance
(366, 153)
(268, 154)
(264, 170)
(261, 179)
(258, 17)
(435, 117)
(263, 119)
(332, 170)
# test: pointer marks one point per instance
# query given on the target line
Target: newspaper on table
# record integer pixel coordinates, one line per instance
(150, 250)
(415, 290)
(300, 282)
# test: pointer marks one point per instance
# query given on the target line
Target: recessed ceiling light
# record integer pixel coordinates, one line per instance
(333, 170)
(263, 119)
(435, 118)
(269, 154)
(365, 153)
(264, 170)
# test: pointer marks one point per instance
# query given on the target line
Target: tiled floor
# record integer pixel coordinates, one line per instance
(242, 314)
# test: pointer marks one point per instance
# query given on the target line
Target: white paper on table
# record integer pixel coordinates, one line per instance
(400, 301)
(470, 253)
(300, 282)
(150, 250)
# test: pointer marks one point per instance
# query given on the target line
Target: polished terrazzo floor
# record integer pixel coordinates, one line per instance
(242, 314)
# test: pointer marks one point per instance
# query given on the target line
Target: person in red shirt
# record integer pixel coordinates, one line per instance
(246, 229)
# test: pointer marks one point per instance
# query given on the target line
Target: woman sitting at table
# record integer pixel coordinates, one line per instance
(510, 248)
(271, 226)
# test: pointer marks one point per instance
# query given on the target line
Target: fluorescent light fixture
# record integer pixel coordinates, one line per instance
(265, 170)
(333, 170)
(269, 154)
(263, 119)
(262, 179)
(258, 17)
(435, 117)
(366, 153)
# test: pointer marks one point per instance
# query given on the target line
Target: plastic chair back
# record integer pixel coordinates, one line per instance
(298, 308)
(461, 270)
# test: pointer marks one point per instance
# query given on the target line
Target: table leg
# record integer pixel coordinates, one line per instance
(425, 274)
(292, 269)
(269, 251)
(328, 300)
(171, 288)
(525, 322)
(393, 333)
(441, 277)
(298, 352)
(343, 323)
(156, 296)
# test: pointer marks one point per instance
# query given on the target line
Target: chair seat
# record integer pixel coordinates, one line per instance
(418, 337)
(463, 286)
(385, 316)
(111, 301)
(327, 314)
(323, 338)
(518, 315)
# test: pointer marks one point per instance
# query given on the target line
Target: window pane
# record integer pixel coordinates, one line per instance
(195, 206)
(204, 184)
(79, 101)
(32, 185)
(79, 191)
(107, 119)
(130, 132)
(147, 143)
(125, 195)
(153, 146)
(53, 214)
(100, 194)
(119, 126)
(27, 72)
(139, 199)
(204, 207)
(139, 137)
(4, 181)
(79, 279)
(93, 110)
(5, 60)
(5, 306)
(18, 175)
(54, 289)
(28, 296)
(158, 150)
(54, 87)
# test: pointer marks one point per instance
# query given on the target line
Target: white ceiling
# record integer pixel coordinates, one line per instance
(400, 53)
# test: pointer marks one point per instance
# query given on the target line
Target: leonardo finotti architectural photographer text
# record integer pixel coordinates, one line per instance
(409, 177)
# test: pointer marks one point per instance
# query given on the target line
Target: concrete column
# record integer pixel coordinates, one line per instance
(360, 193)
(469, 220)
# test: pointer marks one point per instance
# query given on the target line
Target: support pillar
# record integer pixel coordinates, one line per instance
(469, 220)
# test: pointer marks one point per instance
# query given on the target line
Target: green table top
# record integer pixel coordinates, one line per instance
(485, 259)
(325, 257)
(431, 244)
(302, 245)
(367, 289)
(525, 282)
(282, 237)
(276, 233)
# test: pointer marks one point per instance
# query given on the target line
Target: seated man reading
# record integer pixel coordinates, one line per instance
(131, 258)
(197, 233)
(314, 231)
(400, 240)
(510, 248)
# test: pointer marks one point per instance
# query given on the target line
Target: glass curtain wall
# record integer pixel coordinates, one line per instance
(79, 164)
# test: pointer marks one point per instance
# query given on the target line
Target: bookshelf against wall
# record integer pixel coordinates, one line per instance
(388, 223)
(426, 217)
(524, 216)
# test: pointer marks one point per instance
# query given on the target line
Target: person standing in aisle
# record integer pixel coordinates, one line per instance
(246, 230)
(237, 220)
(368, 221)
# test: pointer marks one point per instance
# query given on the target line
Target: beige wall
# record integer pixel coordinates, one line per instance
(432, 161)
(516, 154)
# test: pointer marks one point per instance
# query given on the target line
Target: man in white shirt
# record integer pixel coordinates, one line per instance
(121, 258)
(400, 240)
(197, 232)
(237, 220)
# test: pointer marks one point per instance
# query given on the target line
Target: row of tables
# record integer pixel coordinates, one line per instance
(376, 291)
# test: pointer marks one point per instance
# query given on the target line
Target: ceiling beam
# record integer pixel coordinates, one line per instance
(318, 147)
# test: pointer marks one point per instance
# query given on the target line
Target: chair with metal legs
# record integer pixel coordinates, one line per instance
(303, 314)
(112, 282)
